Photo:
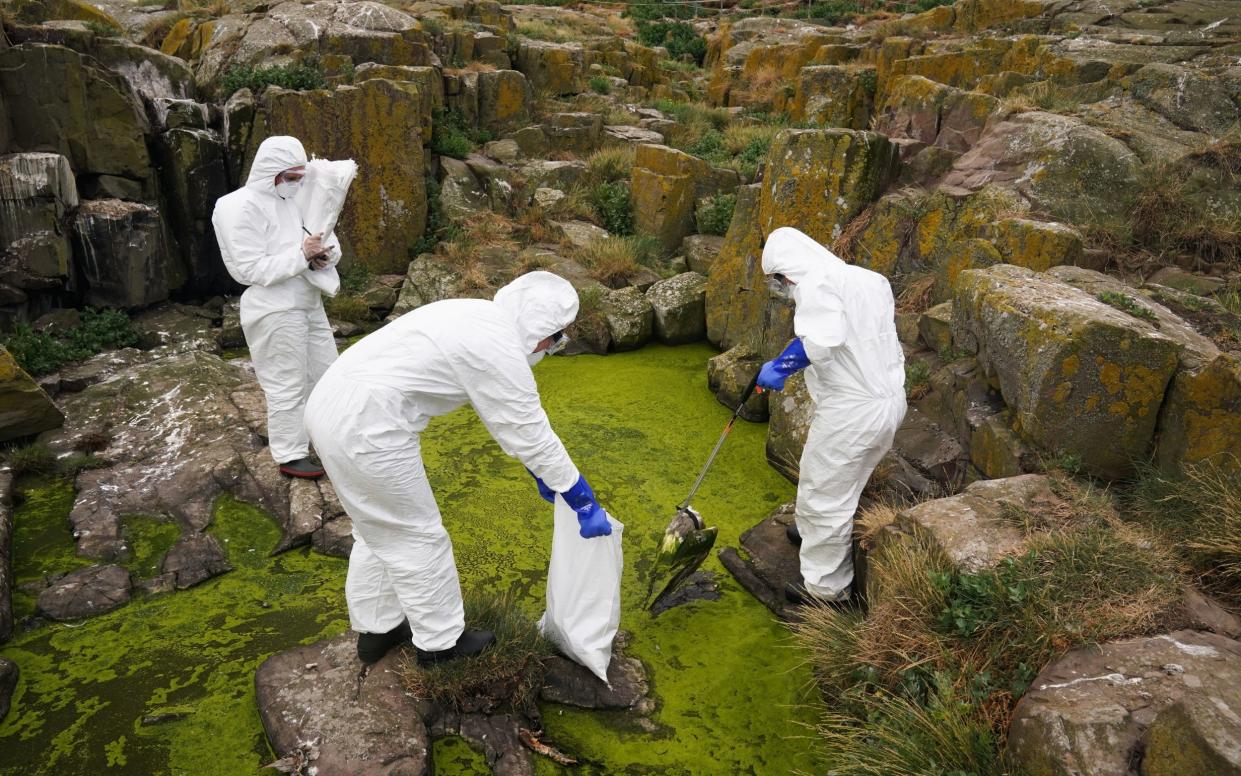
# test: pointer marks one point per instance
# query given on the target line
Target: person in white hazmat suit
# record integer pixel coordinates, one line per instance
(366, 416)
(266, 246)
(845, 327)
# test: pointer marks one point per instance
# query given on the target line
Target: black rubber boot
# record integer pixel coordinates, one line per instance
(793, 534)
(796, 594)
(373, 646)
(471, 642)
(305, 468)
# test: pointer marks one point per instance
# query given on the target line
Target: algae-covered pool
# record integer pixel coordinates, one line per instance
(164, 685)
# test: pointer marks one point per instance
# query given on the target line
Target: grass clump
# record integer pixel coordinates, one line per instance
(452, 136)
(613, 206)
(716, 213)
(347, 307)
(301, 76)
(104, 29)
(610, 165)
(917, 379)
(613, 261)
(41, 353)
(678, 37)
(1125, 303)
(927, 680)
(507, 677)
(40, 460)
(600, 84)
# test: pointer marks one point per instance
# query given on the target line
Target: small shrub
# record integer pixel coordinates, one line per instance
(347, 307)
(710, 146)
(355, 278)
(609, 165)
(1125, 303)
(917, 379)
(716, 214)
(678, 37)
(40, 353)
(599, 84)
(613, 206)
(452, 136)
(300, 76)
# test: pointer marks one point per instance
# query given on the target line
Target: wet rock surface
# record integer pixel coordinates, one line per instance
(769, 562)
(8, 683)
(194, 559)
(627, 687)
(86, 593)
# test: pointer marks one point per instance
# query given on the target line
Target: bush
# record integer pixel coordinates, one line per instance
(609, 165)
(347, 307)
(658, 10)
(716, 214)
(301, 76)
(599, 84)
(452, 136)
(613, 206)
(678, 37)
(40, 353)
(917, 379)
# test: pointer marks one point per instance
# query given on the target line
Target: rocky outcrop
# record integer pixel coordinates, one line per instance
(679, 308)
(729, 374)
(37, 195)
(1157, 705)
(194, 559)
(834, 96)
(552, 68)
(86, 592)
(630, 318)
(25, 408)
(124, 254)
(320, 708)
(666, 185)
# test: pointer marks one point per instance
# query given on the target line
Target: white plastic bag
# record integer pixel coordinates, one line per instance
(320, 201)
(583, 591)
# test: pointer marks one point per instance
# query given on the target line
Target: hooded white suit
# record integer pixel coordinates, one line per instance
(366, 416)
(846, 319)
(260, 235)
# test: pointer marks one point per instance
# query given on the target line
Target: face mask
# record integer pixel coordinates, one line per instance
(534, 358)
(779, 288)
(560, 342)
(287, 189)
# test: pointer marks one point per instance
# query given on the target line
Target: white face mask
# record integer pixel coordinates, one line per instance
(779, 288)
(287, 189)
(558, 345)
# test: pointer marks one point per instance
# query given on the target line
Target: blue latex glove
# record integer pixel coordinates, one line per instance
(782, 367)
(591, 518)
(545, 493)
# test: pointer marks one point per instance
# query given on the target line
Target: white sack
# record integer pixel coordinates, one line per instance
(583, 591)
(320, 201)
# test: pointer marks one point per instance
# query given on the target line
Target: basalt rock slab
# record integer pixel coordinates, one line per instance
(25, 408)
(194, 559)
(680, 308)
(365, 726)
(769, 562)
(627, 687)
(85, 593)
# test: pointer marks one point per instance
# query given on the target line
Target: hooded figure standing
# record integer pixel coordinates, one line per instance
(845, 327)
(366, 417)
(266, 246)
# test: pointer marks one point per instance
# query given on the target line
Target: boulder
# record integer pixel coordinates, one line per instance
(8, 683)
(666, 185)
(936, 456)
(737, 297)
(552, 68)
(1060, 165)
(461, 193)
(153, 75)
(85, 593)
(623, 135)
(37, 193)
(790, 412)
(231, 334)
(428, 80)
(1036, 245)
(1081, 377)
(318, 701)
(729, 374)
(194, 174)
(576, 133)
(834, 96)
(579, 234)
(935, 327)
(504, 99)
(701, 251)
(770, 562)
(1160, 705)
(25, 408)
(1187, 97)
(427, 280)
(59, 100)
(335, 538)
(194, 559)
(6, 571)
(630, 318)
(374, 123)
(125, 257)
(564, 681)
(818, 180)
(679, 305)
(934, 114)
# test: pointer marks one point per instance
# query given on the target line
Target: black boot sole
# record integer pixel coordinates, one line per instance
(792, 534)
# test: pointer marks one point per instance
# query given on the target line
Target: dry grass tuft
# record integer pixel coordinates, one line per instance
(842, 246)
(916, 293)
(616, 260)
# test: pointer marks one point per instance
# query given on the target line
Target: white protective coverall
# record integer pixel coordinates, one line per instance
(260, 235)
(366, 416)
(846, 319)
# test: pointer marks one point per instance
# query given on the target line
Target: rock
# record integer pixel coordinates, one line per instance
(25, 408)
(99, 122)
(729, 374)
(1063, 167)
(498, 738)
(737, 298)
(125, 261)
(579, 234)
(679, 304)
(630, 318)
(1081, 377)
(1164, 701)
(194, 559)
(578, 133)
(6, 570)
(194, 175)
(231, 334)
(553, 174)
(427, 280)
(181, 430)
(335, 538)
(37, 193)
(1036, 245)
(834, 96)
(790, 413)
(153, 75)
(699, 586)
(58, 321)
(504, 97)
(620, 135)
(85, 593)
(666, 185)
(1186, 97)
(997, 450)
(936, 455)
(935, 327)
(362, 726)
(1182, 280)
(819, 180)
(934, 114)
(461, 194)
(771, 562)
(552, 68)
(701, 251)
(569, 683)
(503, 151)
(372, 123)
(8, 683)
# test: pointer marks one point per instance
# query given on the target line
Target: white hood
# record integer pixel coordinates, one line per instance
(819, 319)
(796, 255)
(540, 303)
(275, 155)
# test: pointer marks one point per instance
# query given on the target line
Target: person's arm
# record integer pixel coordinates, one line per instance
(243, 248)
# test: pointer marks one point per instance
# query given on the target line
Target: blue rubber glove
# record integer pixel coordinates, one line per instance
(592, 520)
(782, 367)
(545, 493)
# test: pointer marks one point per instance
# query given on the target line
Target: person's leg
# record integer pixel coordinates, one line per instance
(373, 605)
(320, 346)
(278, 350)
(843, 449)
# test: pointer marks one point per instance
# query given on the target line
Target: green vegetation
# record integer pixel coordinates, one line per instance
(599, 84)
(610, 165)
(301, 76)
(716, 214)
(1125, 303)
(104, 29)
(452, 136)
(613, 206)
(614, 260)
(678, 37)
(927, 680)
(38, 459)
(917, 379)
(347, 307)
(439, 227)
(41, 353)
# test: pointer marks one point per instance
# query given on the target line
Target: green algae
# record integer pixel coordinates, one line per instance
(42, 542)
(453, 755)
(732, 693)
(147, 538)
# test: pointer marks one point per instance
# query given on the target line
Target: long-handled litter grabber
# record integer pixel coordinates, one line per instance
(687, 540)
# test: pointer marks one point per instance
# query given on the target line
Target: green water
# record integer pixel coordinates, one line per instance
(732, 691)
